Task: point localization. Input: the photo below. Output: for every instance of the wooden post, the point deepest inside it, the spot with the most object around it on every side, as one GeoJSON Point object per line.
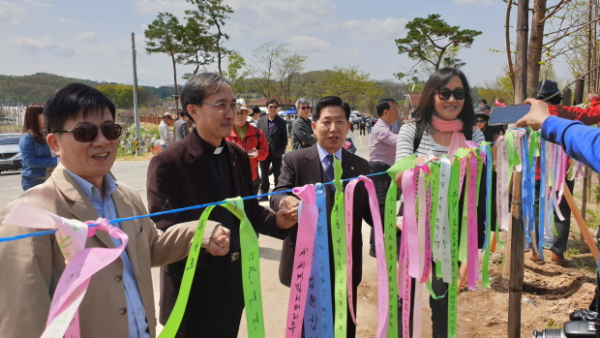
{"type": "Point", "coordinates": [585, 233]}
{"type": "Point", "coordinates": [517, 267]}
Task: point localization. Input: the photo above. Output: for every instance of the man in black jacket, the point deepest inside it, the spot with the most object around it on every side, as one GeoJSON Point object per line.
{"type": "Point", "coordinates": [302, 134]}
{"type": "Point", "coordinates": [274, 129]}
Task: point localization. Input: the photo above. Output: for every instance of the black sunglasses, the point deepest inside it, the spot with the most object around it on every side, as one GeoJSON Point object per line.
{"type": "Point", "coordinates": [273, 107]}
{"type": "Point", "coordinates": [88, 133]}
{"type": "Point", "coordinates": [480, 121]}
{"type": "Point", "coordinates": [305, 108]}
{"type": "Point", "coordinates": [444, 94]}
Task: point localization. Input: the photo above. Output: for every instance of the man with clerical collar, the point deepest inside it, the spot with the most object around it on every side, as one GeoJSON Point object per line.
{"type": "Point", "coordinates": [119, 301]}
{"type": "Point", "coordinates": [313, 165]}
{"type": "Point", "coordinates": [302, 134]}
{"type": "Point", "coordinates": [204, 168]}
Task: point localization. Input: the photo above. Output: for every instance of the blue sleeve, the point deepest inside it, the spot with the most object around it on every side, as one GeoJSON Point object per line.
{"type": "Point", "coordinates": [578, 140]}
{"type": "Point", "coordinates": [27, 147]}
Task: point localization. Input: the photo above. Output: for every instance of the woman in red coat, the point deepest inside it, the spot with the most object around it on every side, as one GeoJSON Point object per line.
{"type": "Point", "coordinates": [251, 139]}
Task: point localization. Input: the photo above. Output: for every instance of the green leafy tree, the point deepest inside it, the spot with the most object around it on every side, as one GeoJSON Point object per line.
{"type": "Point", "coordinates": [197, 42]}
{"type": "Point", "coordinates": [165, 35]}
{"type": "Point", "coordinates": [351, 84]}
{"type": "Point", "coordinates": [215, 13]}
{"type": "Point", "coordinates": [234, 70]}
{"type": "Point", "coordinates": [433, 41]}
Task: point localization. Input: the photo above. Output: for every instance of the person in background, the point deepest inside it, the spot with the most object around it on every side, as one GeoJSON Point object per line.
{"type": "Point", "coordinates": [445, 107]}
{"type": "Point", "coordinates": [369, 124]}
{"type": "Point", "coordinates": [37, 157]}
{"type": "Point", "coordinates": [482, 118]}
{"type": "Point", "coordinates": [500, 102]}
{"type": "Point", "coordinates": [274, 128]}
{"type": "Point", "coordinates": [180, 127]}
{"type": "Point", "coordinates": [313, 165]}
{"type": "Point", "coordinates": [382, 152]}
{"type": "Point", "coordinates": [251, 139]}
{"type": "Point", "coordinates": [255, 114]}
{"type": "Point", "coordinates": [362, 126]}
{"type": "Point", "coordinates": [166, 137]}
{"type": "Point", "coordinates": [302, 133]}
{"type": "Point", "coordinates": [482, 102]}
{"type": "Point", "coordinates": [548, 91]}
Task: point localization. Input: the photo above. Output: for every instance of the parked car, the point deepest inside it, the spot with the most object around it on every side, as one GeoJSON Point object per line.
{"type": "Point", "coordinates": [10, 154]}
{"type": "Point", "coordinates": [355, 117]}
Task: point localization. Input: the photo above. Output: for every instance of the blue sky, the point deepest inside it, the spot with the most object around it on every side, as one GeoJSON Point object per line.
{"type": "Point", "coordinates": [92, 39]}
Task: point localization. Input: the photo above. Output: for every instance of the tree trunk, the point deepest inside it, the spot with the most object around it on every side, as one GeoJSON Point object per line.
{"type": "Point", "coordinates": [521, 59]}
{"type": "Point", "coordinates": [536, 42]}
{"type": "Point", "coordinates": [511, 67]}
{"type": "Point", "coordinates": [175, 81]}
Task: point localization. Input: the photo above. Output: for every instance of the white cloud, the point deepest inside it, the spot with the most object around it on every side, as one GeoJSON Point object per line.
{"type": "Point", "coordinates": [64, 21]}
{"type": "Point", "coordinates": [474, 2]}
{"type": "Point", "coordinates": [373, 29]}
{"type": "Point", "coordinates": [84, 36]}
{"type": "Point", "coordinates": [273, 18]}
{"type": "Point", "coordinates": [45, 44]}
{"type": "Point", "coordinates": [176, 8]}
{"type": "Point", "coordinates": [12, 12]}
{"type": "Point", "coordinates": [308, 43]}
{"type": "Point", "coordinates": [38, 4]}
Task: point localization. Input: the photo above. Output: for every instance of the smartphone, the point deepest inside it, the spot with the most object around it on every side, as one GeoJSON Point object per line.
{"type": "Point", "coordinates": [508, 114]}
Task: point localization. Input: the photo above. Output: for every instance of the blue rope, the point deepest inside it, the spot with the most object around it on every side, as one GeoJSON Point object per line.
{"type": "Point", "coordinates": [194, 207]}
{"type": "Point", "coordinates": [173, 211]}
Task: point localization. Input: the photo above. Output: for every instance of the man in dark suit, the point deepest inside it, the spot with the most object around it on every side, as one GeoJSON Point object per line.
{"type": "Point", "coordinates": [311, 165]}
{"type": "Point", "coordinates": [204, 168]}
{"type": "Point", "coordinates": [274, 128]}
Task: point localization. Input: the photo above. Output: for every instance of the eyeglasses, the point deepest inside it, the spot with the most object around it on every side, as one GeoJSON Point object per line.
{"type": "Point", "coordinates": [444, 94]}
{"type": "Point", "coordinates": [223, 107]}
{"type": "Point", "coordinates": [88, 133]}
{"type": "Point", "coordinates": [305, 108]}
{"type": "Point", "coordinates": [480, 121]}
{"type": "Point", "coordinates": [272, 107]}
{"type": "Point", "coordinates": [242, 112]}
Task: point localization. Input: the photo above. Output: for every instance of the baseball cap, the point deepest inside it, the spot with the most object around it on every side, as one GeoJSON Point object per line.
{"type": "Point", "coordinates": [485, 107]}
{"type": "Point", "coordinates": [242, 104]}
{"type": "Point", "coordinates": [167, 115]}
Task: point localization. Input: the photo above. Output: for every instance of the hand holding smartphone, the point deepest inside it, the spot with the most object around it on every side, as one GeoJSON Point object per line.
{"type": "Point", "coordinates": [508, 114]}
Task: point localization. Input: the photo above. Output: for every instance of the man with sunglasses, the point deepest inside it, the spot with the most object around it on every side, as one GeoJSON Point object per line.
{"type": "Point", "coordinates": [120, 299]}
{"type": "Point", "coordinates": [274, 128]}
{"type": "Point", "coordinates": [205, 168]}
{"type": "Point", "coordinates": [302, 135]}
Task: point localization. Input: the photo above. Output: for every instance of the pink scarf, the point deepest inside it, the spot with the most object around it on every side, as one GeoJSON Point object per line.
{"type": "Point", "coordinates": [444, 126]}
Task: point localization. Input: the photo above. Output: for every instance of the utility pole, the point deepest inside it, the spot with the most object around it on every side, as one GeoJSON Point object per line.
{"type": "Point", "coordinates": [135, 99]}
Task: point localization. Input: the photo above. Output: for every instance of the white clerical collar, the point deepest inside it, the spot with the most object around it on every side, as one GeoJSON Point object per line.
{"type": "Point", "coordinates": [218, 150]}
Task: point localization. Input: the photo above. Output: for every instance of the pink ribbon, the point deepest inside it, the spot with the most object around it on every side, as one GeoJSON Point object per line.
{"type": "Point", "coordinates": [307, 227]}
{"type": "Point", "coordinates": [382, 281]}
{"type": "Point", "coordinates": [82, 264]}
{"type": "Point", "coordinates": [472, 260]}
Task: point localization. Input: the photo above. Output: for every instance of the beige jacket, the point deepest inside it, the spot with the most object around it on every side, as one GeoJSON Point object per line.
{"type": "Point", "coordinates": [30, 268]}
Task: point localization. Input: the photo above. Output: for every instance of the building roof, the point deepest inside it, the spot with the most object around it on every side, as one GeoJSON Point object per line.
{"type": "Point", "coordinates": [263, 102]}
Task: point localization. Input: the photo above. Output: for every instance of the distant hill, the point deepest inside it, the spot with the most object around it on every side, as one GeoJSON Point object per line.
{"type": "Point", "coordinates": [40, 86]}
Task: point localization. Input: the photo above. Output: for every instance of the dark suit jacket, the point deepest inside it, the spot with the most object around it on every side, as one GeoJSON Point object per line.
{"type": "Point", "coordinates": [278, 138]}
{"type": "Point", "coordinates": [302, 167]}
{"type": "Point", "coordinates": [181, 176]}
{"type": "Point", "coordinates": [302, 133]}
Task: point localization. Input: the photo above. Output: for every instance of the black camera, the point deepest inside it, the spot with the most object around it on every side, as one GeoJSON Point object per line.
{"type": "Point", "coordinates": [583, 324]}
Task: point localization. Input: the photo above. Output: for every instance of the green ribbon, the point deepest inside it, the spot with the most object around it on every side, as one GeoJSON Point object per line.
{"type": "Point", "coordinates": [250, 256]}
{"type": "Point", "coordinates": [453, 214]}
{"type": "Point", "coordinates": [172, 326]}
{"type": "Point", "coordinates": [390, 234]}
{"type": "Point", "coordinates": [338, 237]}
{"type": "Point", "coordinates": [250, 272]}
